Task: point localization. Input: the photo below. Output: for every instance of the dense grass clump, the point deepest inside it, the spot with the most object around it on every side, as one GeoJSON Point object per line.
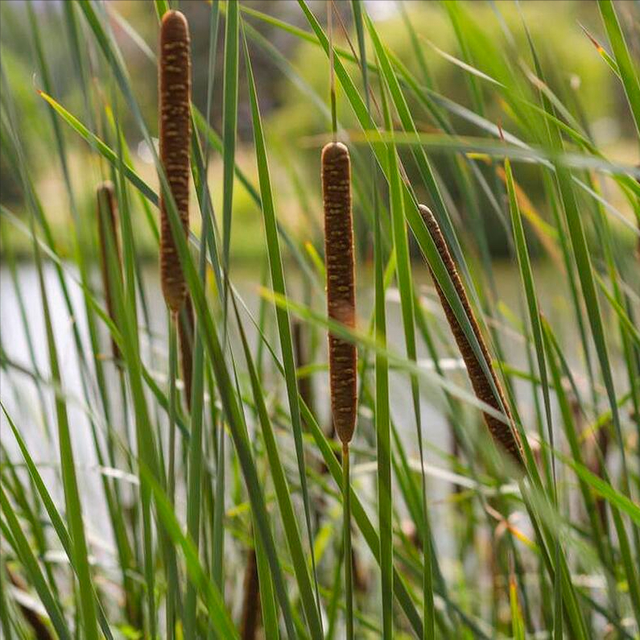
{"type": "Point", "coordinates": [179, 455]}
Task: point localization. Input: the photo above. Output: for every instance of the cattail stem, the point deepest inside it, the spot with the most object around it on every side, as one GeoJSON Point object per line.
{"type": "Point", "coordinates": [332, 73]}
{"type": "Point", "coordinates": [175, 136]}
{"type": "Point", "coordinates": [503, 434]}
{"type": "Point", "coordinates": [109, 240]}
{"type": "Point", "coordinates": [173, 404]}
{"type": "Point", "coordinates": [171, 473]}
{"type": "Point", "coordinates": [348, 555]}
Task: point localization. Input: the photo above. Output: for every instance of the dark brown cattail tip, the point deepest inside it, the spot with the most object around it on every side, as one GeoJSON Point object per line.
{"type": "Point", "coordinates": [175, 135]}
{"type": "Point", "coordinates": [429, 219]}
{"type": "Point", "coordinates": [109, 240]}
{"type": "Point", "coordinates": [341, 304]}
{"type": "Point", "coordinates": [503, 434]}
{"type": "Point", "coordinates": [176, 21]}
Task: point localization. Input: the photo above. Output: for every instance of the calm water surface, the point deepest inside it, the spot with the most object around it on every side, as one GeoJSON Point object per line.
{"type": "Point", "coordinates": [19, 393]}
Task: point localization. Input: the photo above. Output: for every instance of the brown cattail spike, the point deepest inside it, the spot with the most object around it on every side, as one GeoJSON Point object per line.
{"type": "Point", "coordinates": [504, 434]}
{"type": "Point", "coordinates": [109, 240]}
{"type": "Point", "coordinates": [338, 246]}
{"type": "Point", "coordinates": [175, 135]}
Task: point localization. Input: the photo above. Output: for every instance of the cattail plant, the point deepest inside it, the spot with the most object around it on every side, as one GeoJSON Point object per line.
{"type": "Point", "coordinates": [341, 306]}
{"type": "Point", "coordinates": [175, 136]}
{"type": "Point", "coordinates": [505, 435]}
{"type": "Point", "coordinates": [109, 240]}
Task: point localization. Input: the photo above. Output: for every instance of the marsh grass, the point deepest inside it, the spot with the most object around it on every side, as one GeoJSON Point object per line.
{"type": "Point", "coordinates": [209, 502]}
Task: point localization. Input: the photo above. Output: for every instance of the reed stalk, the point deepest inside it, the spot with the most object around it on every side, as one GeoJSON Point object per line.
{"type": "Point", "coordinates": [504, 435]}
{"type": "Point", "coordinates": [341, 306]}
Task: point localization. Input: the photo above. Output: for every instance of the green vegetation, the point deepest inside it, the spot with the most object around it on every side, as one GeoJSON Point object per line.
{"type": "Point", "coordinates": [174, 473]}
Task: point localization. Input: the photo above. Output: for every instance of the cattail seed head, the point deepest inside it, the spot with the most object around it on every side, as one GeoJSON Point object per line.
{"type": "Point", "coordinates": [503, 434]}
{"type": "Point", "coordinates": [175, 136]}
{"type": "Point", "coordinates": [108, 237]}
{"type": "Point", "coordinates": [341, 306]}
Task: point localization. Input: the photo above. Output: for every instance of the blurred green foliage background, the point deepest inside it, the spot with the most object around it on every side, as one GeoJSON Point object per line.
{"type": "Point", "coordinates": [295, 125]}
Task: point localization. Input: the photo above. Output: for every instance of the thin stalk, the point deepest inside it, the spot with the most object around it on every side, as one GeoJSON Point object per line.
{"type": "Point", "coordinates": [332, 76]}
{"type": "Point", "coordinates": [173, 406]}
{"type": "Point", "coordinates": [348, 565]}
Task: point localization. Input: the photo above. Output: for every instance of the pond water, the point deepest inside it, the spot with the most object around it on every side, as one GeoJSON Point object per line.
{"type": "Point", "coordinates": [20, 396]}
